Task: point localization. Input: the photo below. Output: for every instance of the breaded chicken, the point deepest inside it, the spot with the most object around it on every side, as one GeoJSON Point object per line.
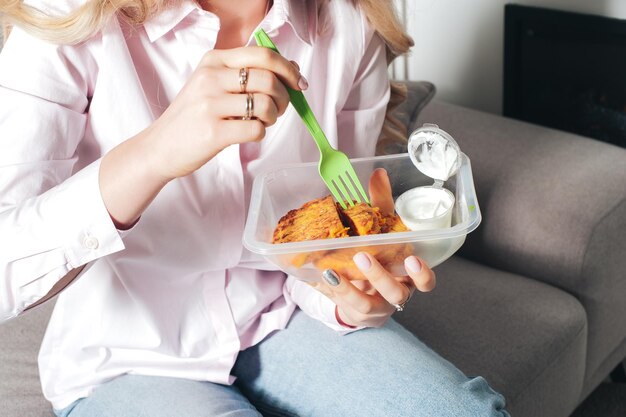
{"type": "Point", "coordinates": [324, 219]}
{"type": "Point", "coordinates": [392, 223]}
{"type": "Point", "coordinates": [317, 219]}
{"type": "Point", "coordinates": [361, 219]}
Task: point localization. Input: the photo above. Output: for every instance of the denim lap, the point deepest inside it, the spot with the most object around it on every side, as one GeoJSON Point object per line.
{"type": "Point", "coordinates": [152, 396]}
{"type": "Point", "coordinates": [309, 370]}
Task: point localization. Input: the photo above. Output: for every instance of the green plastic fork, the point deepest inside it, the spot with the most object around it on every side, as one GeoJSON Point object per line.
{"type": "Point", "coordinates": [334, 167]}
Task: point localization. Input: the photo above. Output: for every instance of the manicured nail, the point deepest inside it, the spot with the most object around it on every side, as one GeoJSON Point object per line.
{"type": "Point", "coordinates": [413, 264]}
{"type": "Point", "coordinates": [295, 64]}
{"type": "Point", "coordinates": [362, 261]}
{"type": "Point", "coordinates": [331, 277]}
{"type": "Point", "coordinates": [303, 83]}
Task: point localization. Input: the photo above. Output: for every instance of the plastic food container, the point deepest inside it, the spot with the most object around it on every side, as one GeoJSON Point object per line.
{"type": "Point", "coordinates": [288, 187]}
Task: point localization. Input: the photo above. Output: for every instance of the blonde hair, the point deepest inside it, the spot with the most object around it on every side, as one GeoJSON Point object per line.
{"type": "Point", "coordinates": [90, 17]}
{"type": "Point", "coordinates": [81, 22]}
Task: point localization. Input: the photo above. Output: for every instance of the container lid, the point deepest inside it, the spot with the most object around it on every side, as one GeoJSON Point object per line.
{"type": "Point", "coordinates": [434, 152]}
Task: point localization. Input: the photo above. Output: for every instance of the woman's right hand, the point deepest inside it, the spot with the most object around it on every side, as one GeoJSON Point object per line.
{"type": "Point", "coordinates": [206, 115]}
{"type": "Point", "coordinates": [202, 120]}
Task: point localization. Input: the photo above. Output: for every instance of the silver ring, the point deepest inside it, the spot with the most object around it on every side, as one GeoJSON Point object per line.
{"type": "Point", "coordinates": [402, 305]}
{"type": "Point", "coordinates": [249, 107]}
{"type": "Point", "coordinates": [243, 79]}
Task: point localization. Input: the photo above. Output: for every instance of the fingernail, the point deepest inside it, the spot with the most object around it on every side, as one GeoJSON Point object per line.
{"type": "Point", "coordinates": [362, 261]}
{"type": "Point", "coordinates": [413, 264]}
{"type": "Point", "coordinates": [331, 277]}
{"type": "Point", "coordinates": [295, 64]}
{"type": "Point", "coordinates": [303, 83]}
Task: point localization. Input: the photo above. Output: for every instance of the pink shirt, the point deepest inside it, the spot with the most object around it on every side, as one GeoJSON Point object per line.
{"type": "Point", "coordinates": [177, 295]}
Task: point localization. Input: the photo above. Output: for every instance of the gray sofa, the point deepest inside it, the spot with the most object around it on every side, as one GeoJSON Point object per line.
{"type": "Point", "coordinates": [535, 300]}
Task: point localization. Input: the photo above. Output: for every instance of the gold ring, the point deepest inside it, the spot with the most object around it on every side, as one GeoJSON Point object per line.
{"type": "Point", "coordinates": [249, 107]}
{"type": "Point", "coordinates": [243, 79]}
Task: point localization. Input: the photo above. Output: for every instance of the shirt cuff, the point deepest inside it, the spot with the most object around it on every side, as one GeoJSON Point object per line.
{"type": "Point", "coordinates": [316, 305]}
{"type": "Point", "coordinates": [330, 318]}
{"type": "Point", "coordinates": [81, 219]}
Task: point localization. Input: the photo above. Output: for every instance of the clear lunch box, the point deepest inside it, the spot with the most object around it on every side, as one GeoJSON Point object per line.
{"type": "Point", "coordinates": [288, 187]}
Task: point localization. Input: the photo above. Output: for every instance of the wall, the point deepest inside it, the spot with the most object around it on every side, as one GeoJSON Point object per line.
{"type": "Point", "coordinates": [459, 44]}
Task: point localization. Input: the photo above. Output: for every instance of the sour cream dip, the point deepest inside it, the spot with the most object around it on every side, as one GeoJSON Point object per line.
{"type": "Point", "coordinates": [425, 208]}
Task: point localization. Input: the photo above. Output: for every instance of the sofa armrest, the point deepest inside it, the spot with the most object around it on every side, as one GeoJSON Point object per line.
{"type": "Point", "coordinates": [553, 203]}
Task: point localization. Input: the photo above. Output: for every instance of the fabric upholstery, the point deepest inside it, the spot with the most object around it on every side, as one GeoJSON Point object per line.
{"type": "Point", "coordinates": [20, 389]}
{"type": "Point", "coordinates": [554, 209]}
{"type": "Point", "coordinates": [419, 95]}
{"type": "Point", "coordinates": [524, 336]}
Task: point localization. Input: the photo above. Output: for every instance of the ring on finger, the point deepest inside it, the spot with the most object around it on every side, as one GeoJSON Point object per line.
{"type": "Point", "coordinates": [249, 114]}
{"type": "Point", "coordinates": [402, 305]}
{"type": "Point", "coordinates": [243, 79]}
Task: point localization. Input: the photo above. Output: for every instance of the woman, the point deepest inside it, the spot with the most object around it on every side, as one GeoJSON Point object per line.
{"type": "Point", "coordinates": [133, 133]}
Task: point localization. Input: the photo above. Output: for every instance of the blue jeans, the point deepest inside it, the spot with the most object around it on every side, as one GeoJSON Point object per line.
{"type": "Point", "coordinates": [309, 370]}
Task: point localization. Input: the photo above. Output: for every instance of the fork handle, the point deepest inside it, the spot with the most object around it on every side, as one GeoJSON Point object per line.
{"type": "Point", "coordinates": [298, 100]}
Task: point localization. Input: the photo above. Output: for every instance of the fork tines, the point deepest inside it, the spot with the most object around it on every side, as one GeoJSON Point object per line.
{"type": "Point", "coordinates": [344, 188]}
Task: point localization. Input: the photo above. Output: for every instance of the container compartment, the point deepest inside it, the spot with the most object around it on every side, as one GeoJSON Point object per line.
{"type": "Point", "coordinates": [288, 187]}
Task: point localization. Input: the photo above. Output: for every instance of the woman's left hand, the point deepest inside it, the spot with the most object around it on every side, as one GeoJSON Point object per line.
{"type": "Point", "coordinates": [371, 302]}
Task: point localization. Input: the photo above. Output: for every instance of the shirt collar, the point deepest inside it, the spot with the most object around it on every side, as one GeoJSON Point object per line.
{"type": "Point", "coordinates": [168, 19]}
{"type": "Point", "coordinates": [293, 12]}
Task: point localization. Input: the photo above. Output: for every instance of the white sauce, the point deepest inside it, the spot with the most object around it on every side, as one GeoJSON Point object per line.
{"type": "Point", "coordinates": [434, 155]}
{"type": "Point", "coordinates": [425, 208]}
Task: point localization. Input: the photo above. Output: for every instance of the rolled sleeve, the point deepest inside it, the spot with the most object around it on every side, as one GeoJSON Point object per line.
{"type": "Point", "coordinates": [49, 235]}
{"type": "Point", "coordinates": [52, 219]}
{"type": "Point", "coordinates": [78, 211]}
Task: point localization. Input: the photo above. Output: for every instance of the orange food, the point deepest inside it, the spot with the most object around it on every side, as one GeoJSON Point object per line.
{"type": "Point", "coordinates": [317, 219]}
{"type": "Point", "coordinates": [392, 223]}
{"type": "Point", "coordinates": [324, 219]}
{"type": "Point", "coordinates": [361, 219]}
{"type": "Point", "coordinates": [340, 260]}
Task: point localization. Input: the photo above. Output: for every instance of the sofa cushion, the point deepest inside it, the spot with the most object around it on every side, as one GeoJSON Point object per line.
{"type": "Point", "coordinates": [419, 94]}
{"type": "Point", "coordinates": [554, 209]}
{"type": "Point", "coordinates": [20, 389]}
{"type": "Point", "coordinates": [523, 336]}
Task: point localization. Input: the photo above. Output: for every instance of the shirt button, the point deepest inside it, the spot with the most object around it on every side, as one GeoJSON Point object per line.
{"type": "Point", "coordinates": [91, 242]}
